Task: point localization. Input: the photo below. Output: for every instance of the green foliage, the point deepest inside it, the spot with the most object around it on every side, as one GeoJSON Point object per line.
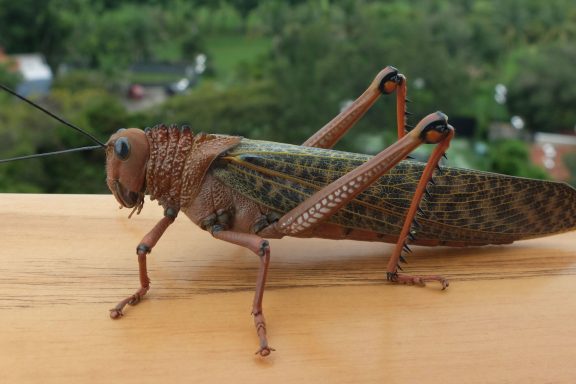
{"type": "Point", "coordinates": [512, 157]}
{"type": "Point", "coordinates": [77, 81]}
{"type": "Point", "coordinates": [26, 26]}
{"type": "Point", "coordinates": [279, 70]}
{"type": "Point", "coordinates": [107, 35]}
{"type": "Point", "coordinates": [230, 52]}
{"type": "Point", "coordinates": [324, 56]}
{"type": "Point", "coordinates": [570, 161]}
{"type": "Point", "coordinates": [24, 131]}
{"type": "Point", "coordinates": [540, 90]}
{"type": "Point", "coordinates": [8, 77]}
{"type": "Point", "coordinates": [245, 110]}
{"type": "Point", "coordinates": [116, 39]}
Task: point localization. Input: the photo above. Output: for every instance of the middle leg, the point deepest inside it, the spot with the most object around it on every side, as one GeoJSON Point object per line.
{"type": "Point", "coordinates": [261, 248]}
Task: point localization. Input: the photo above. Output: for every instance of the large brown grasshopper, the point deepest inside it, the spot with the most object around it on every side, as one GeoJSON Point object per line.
{"type": "Point", "coordinates": [245, 191]}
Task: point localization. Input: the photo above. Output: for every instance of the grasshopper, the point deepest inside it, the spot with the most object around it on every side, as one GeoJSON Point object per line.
{"type": "Point", "coordinates": [246, 191]}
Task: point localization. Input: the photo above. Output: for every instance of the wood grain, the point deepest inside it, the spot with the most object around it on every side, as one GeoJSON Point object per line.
{"type": "Point", "coordinates": [508, 316]}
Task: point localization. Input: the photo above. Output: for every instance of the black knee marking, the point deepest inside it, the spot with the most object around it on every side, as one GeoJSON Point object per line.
{"type": "Point", "coordinates": [213, 229]}
{"type": "Point", "coordinates": [143, 249]}
{"type": "Point", "coordinates": [171, 213]}
{"type": "Point", "coordinates": [218, 221]}
{"type": "Point", "coordinates": [264, 245]}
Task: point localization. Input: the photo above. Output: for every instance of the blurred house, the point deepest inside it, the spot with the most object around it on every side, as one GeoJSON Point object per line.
{"type": "Point", "coordinates": [548, 151]}
{"type": "Point", "coordinates": [36, 75]}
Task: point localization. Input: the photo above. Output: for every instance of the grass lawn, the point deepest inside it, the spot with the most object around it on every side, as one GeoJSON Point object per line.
{"type": "Point", "coordinates": [227, 52]}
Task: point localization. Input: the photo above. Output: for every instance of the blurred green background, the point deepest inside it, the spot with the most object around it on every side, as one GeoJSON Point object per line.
{"type": "Point", "coordinates": [279, 70]}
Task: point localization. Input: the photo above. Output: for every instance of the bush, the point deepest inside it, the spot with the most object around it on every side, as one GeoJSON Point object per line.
{"type": "Point", "coordinates": [512, 157]}
{"type": "Point", "coordinates": [570, 161]}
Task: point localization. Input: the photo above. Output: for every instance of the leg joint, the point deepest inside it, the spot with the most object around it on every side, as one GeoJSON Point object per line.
{"type": "Point", "coordinates": [390, 81]}
{"type": "Point", "coordinates": [143, 249]}
{"type": "Point", "coordinates": [215, 228]}
{"type": "Point", "coordinates": [264, 248]}
{"type": "Point", "coordinates": [171, 213]}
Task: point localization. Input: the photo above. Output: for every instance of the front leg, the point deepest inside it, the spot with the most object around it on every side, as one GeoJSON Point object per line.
{"type": "Point", "coordinates": [261, 248]}
{"type": "Point", "coordinates": [143, 249]}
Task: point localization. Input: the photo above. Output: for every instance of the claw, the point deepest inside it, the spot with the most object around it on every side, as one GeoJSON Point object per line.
{"type": "Point", "coordinates": [116, 313]}
{"type": "Point", "coordinates": [264, 351]}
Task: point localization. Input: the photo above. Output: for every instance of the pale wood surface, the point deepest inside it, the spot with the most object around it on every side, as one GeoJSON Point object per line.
{"type": "Point", "coordinates": [509, 315]}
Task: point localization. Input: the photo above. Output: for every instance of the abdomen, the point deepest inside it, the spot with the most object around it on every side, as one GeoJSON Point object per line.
{"type": "Point", "coordinates": [466, 207]}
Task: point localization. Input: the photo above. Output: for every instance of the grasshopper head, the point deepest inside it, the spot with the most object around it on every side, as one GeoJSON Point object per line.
{"type": "Point", "coordinates": [127, 152]}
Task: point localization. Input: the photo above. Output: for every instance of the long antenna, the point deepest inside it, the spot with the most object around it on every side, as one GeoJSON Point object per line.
{"type": "Point", "coordinates": [101, 144]}
{"type": "Point", "coordinates": [50, 153]}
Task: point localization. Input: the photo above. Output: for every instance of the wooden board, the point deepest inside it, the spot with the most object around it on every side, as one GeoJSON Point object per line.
{"type": "Point", "coordinates": [508, 316]}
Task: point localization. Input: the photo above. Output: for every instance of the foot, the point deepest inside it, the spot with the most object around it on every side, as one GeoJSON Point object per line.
{"type": "Point", "coordinates": [264, 351]}
{"type": "Point", "coordinates": [395, 277]}
{"type": "Point", "coordinates": [260, 324]}
{"type": "Point", "coordinates": [117, 312]}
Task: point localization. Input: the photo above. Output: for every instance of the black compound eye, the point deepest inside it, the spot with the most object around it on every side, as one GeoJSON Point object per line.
{"type": "Point", "coordinates": [122, 148]}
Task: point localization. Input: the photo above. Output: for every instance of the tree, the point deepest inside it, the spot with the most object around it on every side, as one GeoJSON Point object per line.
{"type": "Point", "coordinates": [326, 56]}
{"type": "Point", "coordinates": [246, 109]}
{"type": "Point", "coordinates": [540, 91]}
{"type": "Point", "coordinates": [26, 27]}
{"type": "Point", "coordinates": [7, 76]}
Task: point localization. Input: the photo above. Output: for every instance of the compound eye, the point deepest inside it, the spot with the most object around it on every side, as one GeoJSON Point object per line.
{"type": "Point", "coordinates": [122, 148]}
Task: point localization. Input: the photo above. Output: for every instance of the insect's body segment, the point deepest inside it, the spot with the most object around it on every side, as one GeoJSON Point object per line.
{"type": "Point", "coordinates": [179, 176]}
{"type": "Point", "coordinates": [179, 162]}
{"type": "Point", "coordinates": [464, 207]}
